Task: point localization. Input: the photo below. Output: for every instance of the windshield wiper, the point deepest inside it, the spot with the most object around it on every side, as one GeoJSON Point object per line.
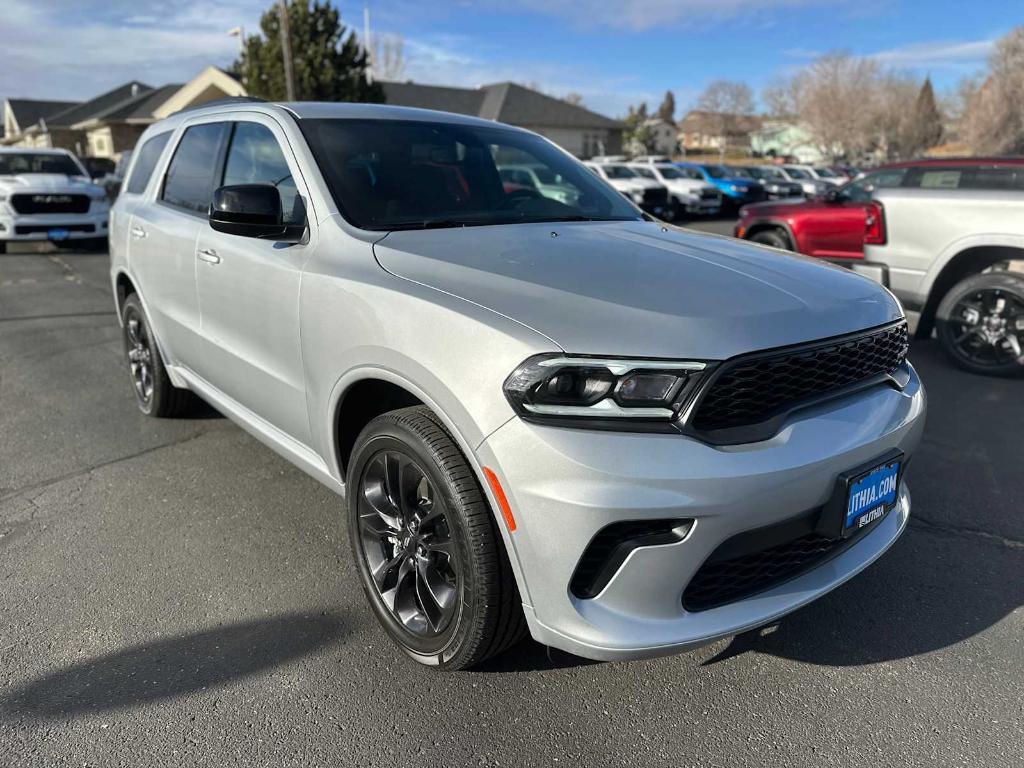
{"type": "Point", "coordinates": [430, 224]}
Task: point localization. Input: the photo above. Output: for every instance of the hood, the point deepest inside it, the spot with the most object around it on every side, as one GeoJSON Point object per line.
{"type": "Point", "coordinates": [49, 182]}
{"type": "Point", "coordinates": [741, 182]}
{"type": "Point", "coordinates": [630, 288]}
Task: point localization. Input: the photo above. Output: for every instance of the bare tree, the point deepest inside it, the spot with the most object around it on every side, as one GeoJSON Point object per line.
{"type": "Point", "coordinates": [782, 97]}
{"type": "Point", "coordinates": [387, 57]}
{"type": "Point", "coordinates": [725, 104]}
{"type": "Point", "coordinates": [892, 116]}
{"type": "Point", "coordinates": [576, 99]}
{"type": "Point", "coordinates": [994, 117]}
{"type": "Point", "coordinates": [839, 103]}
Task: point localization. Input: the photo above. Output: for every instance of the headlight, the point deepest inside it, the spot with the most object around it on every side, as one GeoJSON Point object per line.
{"type": "Point", "coordinates": [604, 393]}
{"type": "Point", "coordinates": [637, 196]}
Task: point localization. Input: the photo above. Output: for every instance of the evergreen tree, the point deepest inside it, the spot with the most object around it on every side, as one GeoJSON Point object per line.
{"type": "Point", "coordinates": [926, 119]}
{"type": "Point", "coordinates": [328, 61]}
{"type": "Point", "coordinates": [667, 110]}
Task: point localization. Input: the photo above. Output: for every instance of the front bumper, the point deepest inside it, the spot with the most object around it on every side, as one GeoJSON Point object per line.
{"type": "Point", "coordinates": [565, 485]}
{"type": "Point", "coordinates": [41, 226]}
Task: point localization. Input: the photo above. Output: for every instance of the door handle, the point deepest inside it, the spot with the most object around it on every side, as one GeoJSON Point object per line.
{"type": "Point", "coordinates": [138, 233]}
{"type": "Point", "coordinates": [208, 255]}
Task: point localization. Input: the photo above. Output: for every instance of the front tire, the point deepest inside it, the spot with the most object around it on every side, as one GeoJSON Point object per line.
{"type": "Point", "coordinates": [154, 393]}
{"type": "Point", "coordinates": [772, 237]}
{"type": "Point", "coordinates": [429, 554]}
{"type": "Point", "coordinates": [980, 324]}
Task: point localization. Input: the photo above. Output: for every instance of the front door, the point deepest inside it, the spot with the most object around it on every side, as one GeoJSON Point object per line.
{"type": "Point", "coordinates": [249, 289]}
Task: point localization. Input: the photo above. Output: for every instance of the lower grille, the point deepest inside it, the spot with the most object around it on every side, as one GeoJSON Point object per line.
{"type": "Point", "coordinates": [655, 195]}
{"type": "Point", "coordinates": [50, 203]}
{"type": "Point", "coordinates": [753, 389]}
{"type": "Point", "coordinates": [709, 194]}
{"type": "Point", "coordinates": [756, 561]}
{"type": "Point", "coordinates": [31, 229]}
{"type": "Point", "coordinates": [611, 546]}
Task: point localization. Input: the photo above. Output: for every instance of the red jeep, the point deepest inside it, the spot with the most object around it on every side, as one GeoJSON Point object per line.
{"type": "Point", "coordinates": [832, 226]}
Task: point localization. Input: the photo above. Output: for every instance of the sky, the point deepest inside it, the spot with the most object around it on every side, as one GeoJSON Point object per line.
{"type": "Point", "coordinates": [612, 52]}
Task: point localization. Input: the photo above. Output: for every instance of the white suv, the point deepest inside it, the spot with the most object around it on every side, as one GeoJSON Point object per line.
{"type": "Point", "coordinates": [651, 195]}
{"type": "Point", "coordinates": [689, 192]}
{"type": "Point", "coordinates": [46, 194]}
{"type": "Point", "coordinates": [628, 438]}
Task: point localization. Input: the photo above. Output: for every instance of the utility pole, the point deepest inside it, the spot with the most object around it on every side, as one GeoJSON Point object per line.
{"type": "Point", "coordinates": [366, 44]}
{"type": "Point", "coordinates": [286, 50]}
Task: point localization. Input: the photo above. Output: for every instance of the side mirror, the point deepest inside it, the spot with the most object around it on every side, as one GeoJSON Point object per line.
{"type": "Point", "coordinates": [252, 210]}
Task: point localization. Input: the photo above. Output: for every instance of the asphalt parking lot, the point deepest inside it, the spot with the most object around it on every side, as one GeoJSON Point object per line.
{"type": "Point", "coordinates": [173, 594]}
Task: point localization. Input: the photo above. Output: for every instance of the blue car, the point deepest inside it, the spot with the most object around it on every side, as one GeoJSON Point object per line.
{"type": "Point", "coordinates": [736, 191]}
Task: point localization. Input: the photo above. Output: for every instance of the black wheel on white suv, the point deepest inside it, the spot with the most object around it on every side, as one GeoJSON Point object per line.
{"type": "Point", "coordinates": [429, 554]}
{"type": "Point", "coordinates": [154, 393]}
{"type": "Point", "coordinates": [980, 324]}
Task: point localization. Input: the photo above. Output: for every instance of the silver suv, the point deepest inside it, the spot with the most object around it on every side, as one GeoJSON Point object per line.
{"type": "Point", "coordinates": [546, 415]}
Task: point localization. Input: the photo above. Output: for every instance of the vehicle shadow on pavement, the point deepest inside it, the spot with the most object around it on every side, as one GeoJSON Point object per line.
{"type": "Point", "coordinates": [168, 668]}
{"type": "Point", "coordinates": [956, 572]}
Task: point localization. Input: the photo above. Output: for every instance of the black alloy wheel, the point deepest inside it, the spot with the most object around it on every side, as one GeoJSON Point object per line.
{"type": "Point", "coordinates": [407, 542]}
{"type": "Point", "coordinates": [154, 393]}
{"type": "Point", "coordinates": [426, 544]}
{"type": "Point", "coordinates": [981, 324]}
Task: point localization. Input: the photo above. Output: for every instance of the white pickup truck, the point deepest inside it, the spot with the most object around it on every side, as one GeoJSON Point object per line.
{"type": "Point", "coordinates": [957, 257]}
{"type": "Point", "coordinates": [46, 194]}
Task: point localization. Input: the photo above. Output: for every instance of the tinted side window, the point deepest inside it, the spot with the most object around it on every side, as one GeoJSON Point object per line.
{"type": "Point", "coordinates": [1004, 177]}
{"type": "Point", "coordinates": [859, 191]}
{"type": "Point", "coordinates": [255, 157]}
{"type": "Point", "coordinates": [189, 182]}
{"type": "Point", "coordinates": [148, 157]}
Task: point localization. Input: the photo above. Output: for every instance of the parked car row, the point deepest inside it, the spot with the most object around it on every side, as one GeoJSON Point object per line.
{"type": "Point", "coordinates": [944, 235]}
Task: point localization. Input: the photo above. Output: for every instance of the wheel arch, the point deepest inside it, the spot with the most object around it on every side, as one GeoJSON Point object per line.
{"type": "Point", "coordinates": [124, 287]}
{"type": "Point", "coordinates": [966, 262]}
{"type": "Point", "coordinates": [765, 225]}
{"type": "Point", "coordinates": [367, 380]}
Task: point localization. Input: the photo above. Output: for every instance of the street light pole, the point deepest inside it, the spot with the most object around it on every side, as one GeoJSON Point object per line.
{"type": "Point", "coordinates": [286, 51]}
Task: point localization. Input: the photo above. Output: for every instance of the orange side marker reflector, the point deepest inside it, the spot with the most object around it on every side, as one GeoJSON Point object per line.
{"type": "Point", "coordinates": [499, 494]}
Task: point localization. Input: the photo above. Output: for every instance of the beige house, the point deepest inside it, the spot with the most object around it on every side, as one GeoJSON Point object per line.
{"type": "Point", "coordinates": [700, 130]}
{"type": "Point", "coordinates": [112, 122]}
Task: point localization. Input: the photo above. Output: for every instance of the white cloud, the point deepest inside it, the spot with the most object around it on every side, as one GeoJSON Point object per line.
{"type": "Point", "coordinates": [939, 54]}
{"type": "Point", "coordinates": [62, 51]}
{"type": "Point", "coordinates": [640, 15]}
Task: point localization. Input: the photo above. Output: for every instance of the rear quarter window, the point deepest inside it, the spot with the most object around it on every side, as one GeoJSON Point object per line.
{"type": "Point", "coordinates": [149, 154]}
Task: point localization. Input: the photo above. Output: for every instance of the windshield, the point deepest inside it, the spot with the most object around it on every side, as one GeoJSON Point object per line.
{"type": "Point", "coordinates": [668, 172]}
{"type": "Point", "coordinates": [387, 175]}
{"type": "Point", "coordinates": [647, 173]}
{"type": "Point", "coordinates": [618, 172]}
{"type": "Point", "coordinates": [797, 173]}
{"type": "Point", "coordinates": [825, 173]}
{"type": "Point", "coordinates": [770, 173]}
{"type": "Point", "coordinates": [717, 171]}
{"type": "Point", "coordinates": [12, 164]}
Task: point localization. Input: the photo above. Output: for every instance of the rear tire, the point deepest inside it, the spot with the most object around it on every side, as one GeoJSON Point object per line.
{"type": "Point", "coordinates": [980, 324]}
{"type": "Point", "coordinates": [154, 393]}
{"type": "Point", "coordinates": [430, 557]}
{"type": "Point", "coordinates": [772, 237]}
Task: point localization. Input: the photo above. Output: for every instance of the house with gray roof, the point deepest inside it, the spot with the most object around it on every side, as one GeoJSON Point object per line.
{"type": "Point", "coordinates": [109, 124]}
{"type": "Point", "coordinates": [574, 128]}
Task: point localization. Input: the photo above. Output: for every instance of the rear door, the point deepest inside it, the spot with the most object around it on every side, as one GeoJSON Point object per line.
{"type": "Point", "coordinates": [249, 288]}
{"type": "Point", "coordinates": [835, 229]}
{"type": "Point", "coordinates": [133, 192]}
{"type": "Point", "coordinates": [163, 238]}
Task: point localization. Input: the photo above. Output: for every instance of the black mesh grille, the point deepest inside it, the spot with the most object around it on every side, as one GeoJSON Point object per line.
{"type": "Point", "coordinates": [709, 194]}
{"type": "Point", "coordinates": [718, 582]}
{"type": "Point", "coordinates": [752, 390]}
{"type": "Point", "coordinates": [50, 203]}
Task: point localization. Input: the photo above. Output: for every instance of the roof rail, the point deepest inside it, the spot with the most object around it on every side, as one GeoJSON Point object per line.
{"type": "Point", "coordinates": [222, 102]}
